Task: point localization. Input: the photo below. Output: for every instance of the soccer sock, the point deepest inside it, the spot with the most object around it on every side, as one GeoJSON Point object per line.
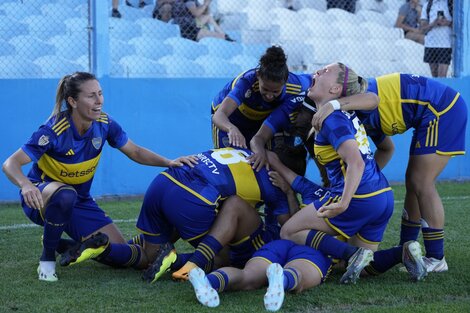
{"type": "Point", "coordinates": [219, 280]}
{"type": "Point", "coordinates": [409, 230]}
{"type": "Point", "coordinates": [181, 259]}
{"type": "Point", "coordinates": [329, 245]}
{"type": "Point", "coordinates": [121, 255]}
{"type": "Point", "coordinates": [205, 251]}
{"type": "Point", "coordinates": [58, 213]}
{"type": "Point", "coordinates": [433, 242]}
{"type": "Point", "coordinates": [291, 278]}
{"type": "Point", "coordinates": [65, 244]}
{"type": "Point", "coordinates": [385, 260]}
{"type": "Point", "coordinates": [137, 240]}
{"type": "Point", "coordinates": [242, 251]}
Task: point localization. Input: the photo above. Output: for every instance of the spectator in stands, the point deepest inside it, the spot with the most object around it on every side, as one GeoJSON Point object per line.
{"type": "Point", "coordinates": [162, 10]}
{"type": "Point", "coordinates": [348, 5]}
{"type": "Point", "coordinates": [195, 20]}
{"type": "Point", "coordinates": [115, 12]}
{"type": "Point", "coordinates": [408, 20]}
{"type": "Point", "coordinates": [438, 38]}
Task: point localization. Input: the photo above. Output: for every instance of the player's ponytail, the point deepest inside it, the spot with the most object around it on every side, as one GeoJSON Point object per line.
{"type": "Point", "coordinates": [351, 82]}
{"type": "Point", "coordinates": [273, 65]}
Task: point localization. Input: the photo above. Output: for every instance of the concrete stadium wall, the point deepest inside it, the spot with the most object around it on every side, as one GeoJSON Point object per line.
{"type": "Point", "coordinates": [169, 116]}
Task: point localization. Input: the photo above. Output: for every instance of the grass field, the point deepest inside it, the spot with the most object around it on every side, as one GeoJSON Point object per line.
{"type": "Point", "coordinates": [92, 287]}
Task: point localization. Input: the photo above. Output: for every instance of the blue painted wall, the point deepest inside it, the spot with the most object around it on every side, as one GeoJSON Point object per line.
{"type": "Point", "coordinates": [169, 116]}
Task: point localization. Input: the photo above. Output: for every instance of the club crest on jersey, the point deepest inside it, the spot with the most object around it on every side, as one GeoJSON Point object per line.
{"type": "Point", "coordinates": [96, 142]}
{"type": "Point", "coordinates": [43, 140]}
{"type": "Point", "coordinates": [248, 93]}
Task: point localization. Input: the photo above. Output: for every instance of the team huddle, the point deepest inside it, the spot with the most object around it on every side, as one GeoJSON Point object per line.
{"type": "Point", "coordinates": [245, 206]}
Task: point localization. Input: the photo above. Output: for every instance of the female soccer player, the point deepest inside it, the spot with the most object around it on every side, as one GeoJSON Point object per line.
{"type": "Point", "coordinates": [438, 115]}
{"type": "Point", "coordinates": [56, 192]}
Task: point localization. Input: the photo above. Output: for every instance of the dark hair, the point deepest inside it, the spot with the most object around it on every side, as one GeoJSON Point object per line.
{"type": "Point", "coordinates": [69, 86]}
{"type": "Point", "coordinates": [273, 65]}
{"type": "Point", "coordinates": [294, 157]}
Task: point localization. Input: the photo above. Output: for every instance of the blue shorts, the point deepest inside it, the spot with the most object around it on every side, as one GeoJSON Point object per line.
{"type": "Point", "coordinates": [182, 205]}
{"type": "Point", "coordinates": [442, 132]}
{"type": "Point", "coordinates": [285, 251]}
{"type": "Point", "coordinates": [365, 217]}
{"type": "Point", "coordinates": [87, 216]}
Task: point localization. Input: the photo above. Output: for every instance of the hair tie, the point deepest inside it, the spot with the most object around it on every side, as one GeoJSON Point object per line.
{"type": "Point", "coordinates": [345, 82]}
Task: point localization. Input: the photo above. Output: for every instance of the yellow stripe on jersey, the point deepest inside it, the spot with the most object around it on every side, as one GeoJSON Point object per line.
{"type": "Point", "coordinates": [431, 134]}
{"type": "Point", "coordinates": [368, 195]}
{"type": "Point", "coordinates": [446, 109]}
{"type": "Point", "coordinates": [72, 174]}
{"type": "Point", "coordinates": [103, 118]}
{"type": "Point", "coordinates": [293, 88]}
{"type": "Point", "coordinates": [325, 154]}
{"type": "Point", "coordinates": [253, 114]}
{"type": "Point", "coordinates": [61, 126]}
{"type": "Point", "coordinates": [236, 79]}
{"type": "Point", "coordinates": [390, 105]}
{"type": "Point", "coordinates": [245, 181]}
{"type": "Point", "coordinates": [190, 190]}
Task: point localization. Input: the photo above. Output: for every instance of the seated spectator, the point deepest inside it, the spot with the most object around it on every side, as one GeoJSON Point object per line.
{"type": "Point", "coordinates": [348, 5]}
{"type": "Point", "coordinates": [408, 20]}
{"type": "Point", "coordinates": [195, 21]}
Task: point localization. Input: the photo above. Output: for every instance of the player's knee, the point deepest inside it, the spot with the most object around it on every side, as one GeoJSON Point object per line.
{"type": "Point", "coordinates": [63, 199]}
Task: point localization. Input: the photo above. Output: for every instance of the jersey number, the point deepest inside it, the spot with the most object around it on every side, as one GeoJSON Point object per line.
{"type": "Point", "coordinates": [230, 156]}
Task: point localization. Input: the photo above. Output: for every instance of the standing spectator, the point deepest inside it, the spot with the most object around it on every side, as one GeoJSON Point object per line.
{"type": "Point", "coordinates": [438, 39]}
{"type": "Point", "coordinates": [408, 20]}
{"type": "Point", "coordinates": [348, 5]}
{"type": "Point", "coordinates": [115, 12]}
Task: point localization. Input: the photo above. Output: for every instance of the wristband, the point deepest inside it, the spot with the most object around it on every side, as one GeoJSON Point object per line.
{"type": "Point", "coordinates": [336, 105]}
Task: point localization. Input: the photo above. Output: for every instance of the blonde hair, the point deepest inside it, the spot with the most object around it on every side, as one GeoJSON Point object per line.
{"type": "Point", "coordinates": [351, 82]}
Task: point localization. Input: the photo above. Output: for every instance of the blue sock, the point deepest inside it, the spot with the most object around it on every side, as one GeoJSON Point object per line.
{"type": "Point", "coordinates": [329, 245]}
{"type": "Point", "coordinates": [433, 242]}
{"type": "Point", "coordinates": [384, 260]}
{"type": "Point", "coordinates": [242, 251]}
{"type": "Point", "coordinates": [409, 230]}
{"type": "Point", "coordinates": [137, 240]}
{"type": "Point", "coordinates": [121, 255]}
{"type": "Point", "coordinates": [206, 251]}
{"type": "Point", "coordinates": [291, 278]}
{"type": "Point", "coordinates": [57, 215]}
{"type": "Point", "coordinates": [219, 280]}
{"type": "Point", "coordinates": [181, 260]}
{"type": "Point", "coordinates": [65, 244]}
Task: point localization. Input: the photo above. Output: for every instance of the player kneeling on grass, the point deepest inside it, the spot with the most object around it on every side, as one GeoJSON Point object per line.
{"type": "Point", "coordinates": [280, 264]}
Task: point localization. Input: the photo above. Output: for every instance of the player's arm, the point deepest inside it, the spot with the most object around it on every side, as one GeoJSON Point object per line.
{"type": "Point", "coordinates": [364, 101]}
{"type": "Point", "coordinates": [144, 156]}
{"type": "Point", "coordinates": [384, 152]}
{"type": "Point", "coordinates": [257, 144]}
{"type": "Point", "coordinates": [349, 153]}
{"type": "Point", "coordinates": [222, 122]}
{"type": "Point", "coordinates": [12, 169]}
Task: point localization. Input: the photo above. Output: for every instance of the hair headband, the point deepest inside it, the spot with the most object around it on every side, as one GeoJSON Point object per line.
{"type": "Point", "coordinates": [345, 82]}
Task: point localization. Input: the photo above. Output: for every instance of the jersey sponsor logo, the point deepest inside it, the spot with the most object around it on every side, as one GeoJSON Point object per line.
{"type": "Point", "coordinates": [97, 142]}
{"type": "Point", "coordinates": [209, 163]}
{"type": "Point", "coordinates": [82, 173]}
{"type": "Point", "coordinates": [43, 140]}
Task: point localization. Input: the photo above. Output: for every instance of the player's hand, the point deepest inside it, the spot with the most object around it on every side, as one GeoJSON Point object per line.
{"type": "Point", "coordinates": [323, 112]}
{"type": "Point", "coordinates": [236, 138]}
{"type": "Point", "coordinates": [277, 180]}
{"type": "Point", "coordinates": [188, 160]}
{"type": "Point", "coordinates": [331, 210]}
{"type": "Point", "coordinates": [32, 196]}
{"type": "Point", "coordinates": [259, 160]}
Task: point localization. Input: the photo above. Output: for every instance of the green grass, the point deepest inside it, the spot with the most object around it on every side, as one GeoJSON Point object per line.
{"type": "Point", "coordinates": [92, 287]}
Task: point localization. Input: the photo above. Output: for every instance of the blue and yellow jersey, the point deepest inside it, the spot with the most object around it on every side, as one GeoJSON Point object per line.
{"type": "Point", "coordinates": [60, 153]}
{"type": "Point", "coordinates": [403, 100]}
{"type": "Point", "coordinates": [253, 110]}
{"type": "Point", "coordinates": [337, 128]}
{"type": "Point", "coordinates": [227, 171]}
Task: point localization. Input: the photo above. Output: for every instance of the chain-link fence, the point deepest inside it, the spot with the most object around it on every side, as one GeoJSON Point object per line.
{"type": "Point", "coordinates": [221, 38]}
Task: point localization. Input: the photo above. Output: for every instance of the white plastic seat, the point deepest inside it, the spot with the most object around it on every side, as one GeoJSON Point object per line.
{"type": "Point", "coordinates": [283, 30]}
{"type": "Point", "coordinates": [258, 37]}
{"type": "Point", "coordinates": [409, 49]}
{"type": "Point", "coordinates": [58, 11]}
{"type": "Point", "coordinates": [326, 29]}
{"type": "Point", "coordinates": [218, 67]}
{"type": "Point", "coordinates": [157, 29]}
{"type": "Point", "coordinates": [10, 28]}
{"type": "Point", "coordinates": [77, 26]}
{"type": "Point", "coordinates": [230, 6]}
{"type": "Point", "coordinates": [44, 27]}
{"type": "Point", "coordinates": [343, 15]}
{"type": "Point", "coordinates": [372, 5]}
{"type": "Point", "coordinates": [383, 50]}
{"type": "Point", "coordinates": [319, 5]}
{"type": "Point", "coordinates": [69, 47]}
{"type": "Point", "coordinates": [119, 49]}
{"type": "Point", "coordinates": [381, 32]}
{"type": "Point", "coordinates": [221, 48]}
{"type": "Point", "coordinates": [30, 47]}
{"type": "Point", "coordinates": [18, 10]}
{"type": "Point", "coordinates": [312, 16]}
{"type": "Point", "coordinates": [53, 66]}
{"type": "Point", "coordinates": [186, 48]}
{"type": "Point", "coordinates": [12, 66]}
{"type": "Point", "coordinates": [7, 48]}
{"type": "Point", "coordinates": [150, 48]}
{"type": "Point", "coordinates": [323, 51]}
{"type": "Point", "coordinates": [123, 29]}
{"type": "Point", "coordinates": [374, 17]}
{"type": "Point", "coordinates": [181, 67]}
{"type": "Point", "coordinates": [138, 66]}
{"type": "Point", "coordinates": [257, 19]}
{"type": "Point", "coordinates": [256, 50]}
{"type": "Point", "coordinates": [245, 62]}
{"type": "Point", "coordinates": [351, 30]}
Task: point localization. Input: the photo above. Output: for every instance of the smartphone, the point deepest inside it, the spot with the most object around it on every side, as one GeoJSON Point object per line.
{"type": "Point", "coordinates": [440, 14]}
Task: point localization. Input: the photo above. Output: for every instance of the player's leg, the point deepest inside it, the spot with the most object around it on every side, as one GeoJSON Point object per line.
{"type": "Point", "coordinates": [236, 220]}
